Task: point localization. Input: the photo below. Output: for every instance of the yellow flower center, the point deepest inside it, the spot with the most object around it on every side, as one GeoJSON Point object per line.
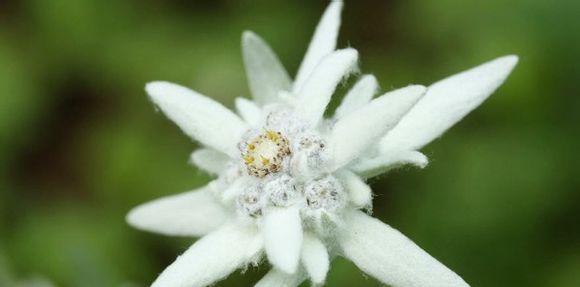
{"type": "Point", "coordinates": [265, 153]}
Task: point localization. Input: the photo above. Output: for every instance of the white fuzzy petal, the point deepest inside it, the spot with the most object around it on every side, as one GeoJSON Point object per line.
{"type": "Point", "coordinates": [235, 189]}
{"type": "Point", "coordinates": [198, 116]}
{"type": "Point", "coordinates": [213, 257]}
{"type": "Point", "coordinates": [323, 43]}
{"type": "Point", "coordinates": [283, 238]}
{"type": "Point", "coordinates": [447, 102]}
{"type": "Point", "coordinates": [192, 213]}
{"type": "Point", "coordinates": [315, 258]}
{"type": "Point", "coordinates": [360, 95]}
{"type": "Point", "coordinates": [314, 96]}
{"type": "Point", "coordinates": [359, 193]}
{"type": "Point", "coordinates": [209, 160]}
{"type": "Point", "coordinates": [368, 168]}
{"type": "Point", "coordinates": [276, 278]}
{"type": "Point", "coordinates": [386, 254]}
{"type": "Point", "coordinates": [266, 75]}
{"type": "Point", "coordinates": [249, 111]}
{"type": "Point", "coordinates": [354, 133]}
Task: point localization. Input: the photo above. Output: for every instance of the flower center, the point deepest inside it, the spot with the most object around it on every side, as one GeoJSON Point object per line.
{"type": "Point", "coordinates": [265, 153]}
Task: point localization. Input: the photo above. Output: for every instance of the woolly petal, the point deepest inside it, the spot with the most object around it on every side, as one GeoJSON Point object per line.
{"type": "Point", "coordinates": [193, 213]}
{"type": "Point", "coordinates": [370, 122]}
{"type": "Point", "coordinates": [199, 117]}
{"type": "Point", "coordinates": [360, 95]}
{"type": "Point", "coordinates": [249, 111]}
{"type": "Point", "coordinates": [235, 188]}
{"type": "Point", "coordinates": [386, 254]}
{"type": "Point", "coordinates": [209, 160]}
{"type": "Point", "coordinates": [315, 258]}
{"type": "Point", "coordinates": [447, 102]}
{"type": "Point", "coordinates": [283, 238]}
{"type": "Point", "coordinates": [266, 75]}
{"type": "Point", "coordinates": [359, 193]}
{"type": "Point", "coordinates": [276, 278]}
{"type": "Point", "coordinates": [322, 44]}
{"type": "Point", "coordinates": [213, 257]}
{"type": "Point", "coordinates": [368, 168]}
{"type": "Point", "coordinates": [313, 97]}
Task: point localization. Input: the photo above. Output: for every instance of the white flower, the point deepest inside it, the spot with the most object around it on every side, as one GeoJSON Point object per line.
{"type": "Point", "coordinates": [290, 183]}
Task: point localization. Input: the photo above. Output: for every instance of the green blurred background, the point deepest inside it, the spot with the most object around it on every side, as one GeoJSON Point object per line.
{"type": "Point", "coordinates": [81, 144]}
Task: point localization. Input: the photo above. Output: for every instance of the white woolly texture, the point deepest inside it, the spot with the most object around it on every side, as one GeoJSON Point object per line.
{"type": "Point", "coordinates": [315, 258]}
{"type": "Point", "coordinates": [370, 167]}
{"type": "Point", "coordinates": [359, 193]}
{"type": "Point", "coordinates": [201, 118]}
{"type": "Point", "coordinates": [209, 160]}
{"type": "Point", "coordinates": [281, 190]}
{"type": "Point", "coordinates": [193, 213]}
{"type": "Point", "coordinates": [235, 189]}
{"type": "Point", "coordinates": [266, 75]}
{"type": "Point", "coordinates": [314, 96]}
{"type": "Point", "coordinates": [447, 102]}
{"type": "Point", "coordinates": [249, 111]}
{"type": "Point", "coordinates": [213, 257]}
{"type": "Point", "coordinates": [326, 194]}
{"type": "Point", "coordinates": [354, 133]}
{"type": "Point", "coordinates": [322, 44]}
{"type": "Point", "coordinates": [282, 229]}
{"type": "Point", "coordinates": [360, 95]}
{"type": "Point", "coordinates": [389, 256]}
{"type": "Point", "coordinates": [277, 278]}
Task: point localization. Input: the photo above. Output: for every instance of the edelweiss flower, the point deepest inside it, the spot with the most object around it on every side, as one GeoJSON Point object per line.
{"type": "Point", "coordinates": [290, 183]}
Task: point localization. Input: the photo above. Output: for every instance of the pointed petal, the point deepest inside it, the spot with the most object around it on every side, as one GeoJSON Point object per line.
{"type": "Point", "coordinates": [368, 168]}
{"type": "Point", "coordinates": [370, 122]}
{"type": "Point", "coordinates": [193, 213]}
{"type": "Point", "coordinates": [386, 254]}
{"type": "Point", "coordinates": [198, 116]}
{"type": "Point", "coordinates": [447, 102]}
{"type": "Point", "coordinates": [359, 193]}
{"type": "Point", "coordinates": [209, 160]}
{"type": "Point", "coordinates": [283, 238]}
{"type": "Point", "coordinates": [313, 97]}
{"type": "Point", "coordinates": [213, 257]}
{"type": "Point", "coordinates": [315, 258]}
{"type": "Point", "coordinates": [249, 111]}
{"type": "Point", "coordinates": [266, 75]}
{"type": "Point", "coordinates": [322, 44]}
{"type": "Point", "coordinates": [276, 278]}
{"type": "Point", "coordinates": [360, 95]}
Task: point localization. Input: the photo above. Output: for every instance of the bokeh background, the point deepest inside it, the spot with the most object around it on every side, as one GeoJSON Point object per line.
{"type": "Point", "coordinates": [80, 144]}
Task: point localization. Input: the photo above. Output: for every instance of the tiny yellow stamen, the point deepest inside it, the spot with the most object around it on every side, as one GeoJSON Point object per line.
{"type": "Point", "coordinates": [248, 159]}
{"type": "Point", "coordinates": [273, 136]}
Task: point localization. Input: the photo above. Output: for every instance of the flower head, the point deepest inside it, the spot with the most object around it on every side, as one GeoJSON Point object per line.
{"type": "Point", "coordinates": [290, 183]}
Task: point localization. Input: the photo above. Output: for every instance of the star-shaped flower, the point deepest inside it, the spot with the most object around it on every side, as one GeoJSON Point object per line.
{"type": "Point", "coordinates": [290, 183]}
